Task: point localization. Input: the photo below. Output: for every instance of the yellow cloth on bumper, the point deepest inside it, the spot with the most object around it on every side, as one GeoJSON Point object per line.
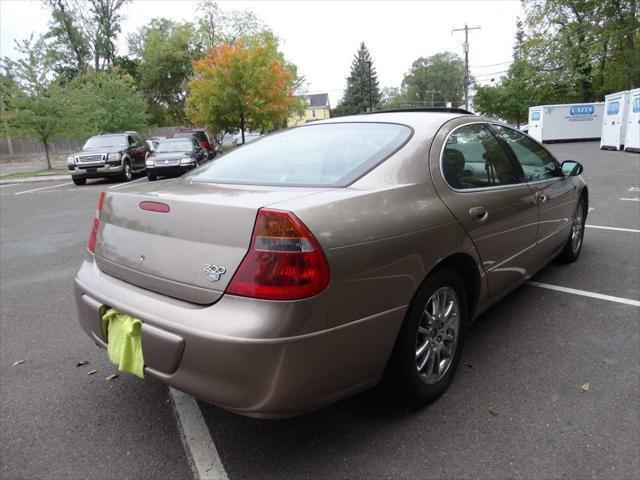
{"type": "Point", "coordinates": [124, 341]}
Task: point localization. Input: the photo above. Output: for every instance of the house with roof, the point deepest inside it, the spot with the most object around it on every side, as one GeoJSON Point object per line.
{"type": "Point", "coordinates": [318, 108]}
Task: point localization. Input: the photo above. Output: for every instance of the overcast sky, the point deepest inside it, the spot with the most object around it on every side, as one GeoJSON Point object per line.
{"type": "Point", "coordinates": [321, 37]}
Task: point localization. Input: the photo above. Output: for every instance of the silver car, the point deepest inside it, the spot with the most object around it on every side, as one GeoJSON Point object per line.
{"type": "Point", "coordinates": [316, 261]}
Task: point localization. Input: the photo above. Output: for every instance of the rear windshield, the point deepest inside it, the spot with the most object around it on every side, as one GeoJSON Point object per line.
{"type": "Point", "coordinates": [179, 145]}
{"type": "Point", "coordinates": [200, 136]}
{"type": "Point", "coordinates": [332, 154]}
{"type": "Point", "coordinates": [106, 141]}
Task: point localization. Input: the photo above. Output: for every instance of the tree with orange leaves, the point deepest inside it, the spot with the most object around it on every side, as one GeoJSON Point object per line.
{"type": "Point", "coordinates": [244, 86]}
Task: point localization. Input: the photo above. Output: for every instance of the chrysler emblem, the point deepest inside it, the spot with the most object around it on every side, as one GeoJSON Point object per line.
{"type": "Point", "coordinates": [213, 272]}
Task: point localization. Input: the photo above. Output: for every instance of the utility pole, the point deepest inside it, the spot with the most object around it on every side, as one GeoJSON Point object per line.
{"type": "Point", "coordinates": [370, 93]}
{"type": "Point", "coordinates": [465, 45]}
{"type": "Point", "coordinates": [432, 92]}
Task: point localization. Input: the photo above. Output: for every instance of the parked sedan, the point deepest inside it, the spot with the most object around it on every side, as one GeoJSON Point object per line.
{"type": "Point", "coordinates": [310, 265]}
{"type": "Point", "coordinates": [173, 157]}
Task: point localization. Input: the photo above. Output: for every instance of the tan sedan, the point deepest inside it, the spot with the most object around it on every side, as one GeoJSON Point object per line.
{"type": "Point", "coordinates": [312, 263]}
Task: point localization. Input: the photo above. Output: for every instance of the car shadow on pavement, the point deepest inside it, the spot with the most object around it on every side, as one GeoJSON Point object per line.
{"type": "Point", "coordinates": [516, 393]}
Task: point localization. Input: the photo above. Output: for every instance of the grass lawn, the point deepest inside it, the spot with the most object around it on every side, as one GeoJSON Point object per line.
{"type": "Point", "coordinates": [35, 173]}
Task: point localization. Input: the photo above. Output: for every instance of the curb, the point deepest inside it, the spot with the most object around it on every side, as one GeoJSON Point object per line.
{"type": "Point", "coordinates": [41, 178]}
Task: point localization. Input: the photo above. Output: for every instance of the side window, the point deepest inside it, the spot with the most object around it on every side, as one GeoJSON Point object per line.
{"type": "Point", "coordinates": [195, 143]}
{"type": "Point", "coordinates": [473, 158]}
{"type": "Point", "coordinates": [130, 141]}
{"type": "Point", "coordinates": [536, 162]}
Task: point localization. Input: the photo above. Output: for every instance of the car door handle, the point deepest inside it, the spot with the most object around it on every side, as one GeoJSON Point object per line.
{"type": "Point", "coordinates": [542, 197]}
{"type": "Point", "coordinates": [479, 214]}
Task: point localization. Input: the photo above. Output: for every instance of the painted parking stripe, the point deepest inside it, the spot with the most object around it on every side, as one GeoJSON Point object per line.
{"type": "Point", "coordinates": [43, 188]}
{"type": "Point", "coordinates": [10, 185]}
{"type": "Point", "coordinates": [584, 293]}
{"type": "Point", "coordinates": [634, 189]}
{"type": "Point", "coordinates": [203, 455]}
{"type": "Point", "coordinates": [617, 229]}
{"type": "Point", "coordinates": [636, 199]}
{"type": "Point", "coordinates": [124, 184]}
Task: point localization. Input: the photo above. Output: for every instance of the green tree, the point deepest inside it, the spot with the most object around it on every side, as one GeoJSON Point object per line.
{"type": "Point", "coordinates": [106, 101]}
{"type": "Point", "coordinates": [69, 46]}
{"type": "Point", "coordinates": [435, 80]}
{"type": "Point", "coordinates": [511, 98]}
{"type": "Point", "coordinates": [362, 89]}
{"type": "Point", "coordinates": [105, 20]}
{"type": "Point", "coordinates": [391, 97]}
{"type": "Point", "coordinates": [242, 86]}
{"type": "Point", "coordinates": [165, 50]}
{"type": "Point", "coordinates": [579, 50]}
{"type": "Point", "coordinates": [32, 105]}
{"type": "Point", "coordinates": [215, 26]}
{"type": "Point", "coordinates": [83, 32]}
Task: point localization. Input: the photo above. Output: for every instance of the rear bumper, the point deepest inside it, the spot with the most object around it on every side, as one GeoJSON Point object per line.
{"type": "Point", "coordinates": [232, 353]}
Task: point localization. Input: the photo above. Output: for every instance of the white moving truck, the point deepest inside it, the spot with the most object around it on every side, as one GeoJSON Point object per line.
{"type": "Point", "coordinates": [564, 123]}
{"type": "Point", "coordinates": [632, 139]}
{"type": "Point", "coordinates": [614, 123]}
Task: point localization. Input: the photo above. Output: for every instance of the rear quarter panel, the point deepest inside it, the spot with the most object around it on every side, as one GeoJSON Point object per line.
{"type": "Point", "coordinates": [382, 235]}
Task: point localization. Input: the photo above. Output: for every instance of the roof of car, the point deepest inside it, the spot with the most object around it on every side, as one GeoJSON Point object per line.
{"type": "Point", "coordinates": [414, 119]}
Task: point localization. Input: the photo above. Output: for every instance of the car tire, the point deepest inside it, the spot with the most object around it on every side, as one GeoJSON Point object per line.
{"type": "Point", "coordinates": [79, 180]}
{"type": "Point", "coordinates": [573, 247]}
{"type": "Point", "coordinates": [152, 176]}
{"type": "Point", "coordinates": [404, 375]}
{"type": "Point", "coordinates": [127, 175]}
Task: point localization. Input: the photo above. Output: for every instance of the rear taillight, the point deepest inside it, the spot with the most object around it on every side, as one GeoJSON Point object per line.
{"type": "Point", "coordinates": [284, 262]}
{"type": "Point", "coordinates": [96, 224]}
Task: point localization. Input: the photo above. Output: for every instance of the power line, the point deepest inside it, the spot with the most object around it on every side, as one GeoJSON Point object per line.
{"type": "Point", "coordinates": [491, 65]}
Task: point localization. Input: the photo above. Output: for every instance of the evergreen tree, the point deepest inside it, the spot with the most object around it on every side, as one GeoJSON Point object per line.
{"type": "Point", "coordinates": [362, 85]}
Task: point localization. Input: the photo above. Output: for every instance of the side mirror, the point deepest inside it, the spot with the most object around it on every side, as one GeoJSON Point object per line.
{"type": "Point", "coordinates": [571, 168]}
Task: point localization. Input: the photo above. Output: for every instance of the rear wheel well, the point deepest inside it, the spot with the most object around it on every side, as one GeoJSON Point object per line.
{"type": "Point", "coordinates": [465, 266]}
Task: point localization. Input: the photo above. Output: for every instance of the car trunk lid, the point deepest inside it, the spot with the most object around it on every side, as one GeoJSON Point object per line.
{"type": "Point", "coordinates": [192, 250]}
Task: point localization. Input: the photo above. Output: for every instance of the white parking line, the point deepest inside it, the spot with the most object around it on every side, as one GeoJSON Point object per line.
{"type": "Point", "coordinates": [10, 185]}
{"type": "Point", "coordinates": [124, 184]}
{"type": "Point", "coordinates": [204, 459]}
{"type": "Point", "coordinates": [42, 188]}
{"type": "Point", "coordinates": [584, 293]}
{"type": "Point", "coordinates": [636, 199]}
{"type": "Point", "coordinates": [614, 228]}
{"type": "Point", "coordinates": [634, 189]}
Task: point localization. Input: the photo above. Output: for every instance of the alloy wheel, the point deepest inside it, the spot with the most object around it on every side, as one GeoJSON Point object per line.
{"type": "Point", "coordinates": [578, 228]}
{"type": "Point", "coordinates": [437, 336]}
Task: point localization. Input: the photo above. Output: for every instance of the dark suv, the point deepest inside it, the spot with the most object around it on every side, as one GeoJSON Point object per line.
{"type": "Point", "coordinates": [199, 134]}
{"type": "Point", "coordinates": [109, 155]}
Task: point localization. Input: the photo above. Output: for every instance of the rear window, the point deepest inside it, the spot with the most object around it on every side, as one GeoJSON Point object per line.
{"type": "Point", "coordinates": [333, 154]}
{"type": "Point", "coordinates": [179, 145]}
{"type": "Point", "coordinates": [199, 135]}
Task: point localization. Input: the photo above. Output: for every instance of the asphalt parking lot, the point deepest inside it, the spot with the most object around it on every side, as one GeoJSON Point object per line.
{"type": "Point", "coordinates": [525, 360]}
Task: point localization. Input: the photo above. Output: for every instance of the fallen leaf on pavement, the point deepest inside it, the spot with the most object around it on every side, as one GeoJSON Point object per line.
{"type": "Point", "coordinates": [82, 363]}
{"type": "Point", "coordinates": [585, 387]}
{"type": "Point", "coordinates": [19, 362]}
{"type": "Point", "coordinates": [91, 372]}
{"type": "Point", "coordinates": [493, 410]}
{"type": "Point", "coordinates": [111, 377]}
{"type": "Point", "coordinates": [468, 365]}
